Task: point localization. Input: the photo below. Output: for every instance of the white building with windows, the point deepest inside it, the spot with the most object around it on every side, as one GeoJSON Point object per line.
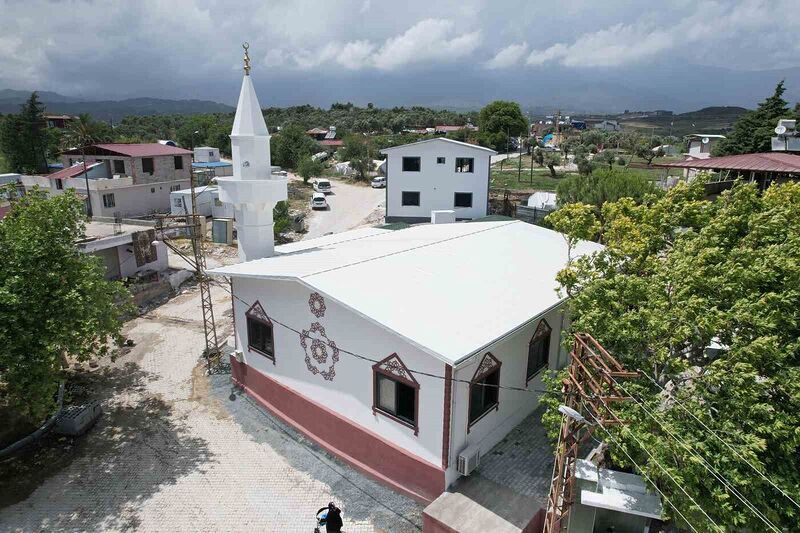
{"type": "Point", "coordinates": [410, 375]}
{"type": "Point", "coordinates": [436, 174]}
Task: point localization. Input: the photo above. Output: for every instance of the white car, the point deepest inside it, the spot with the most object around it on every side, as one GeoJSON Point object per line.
{"type": "Point", "coordinates": [322, 185]}
{"type": "Point", "coordinates": [379, 182]}
{"type": "Point", "coordinates": [318, 201]}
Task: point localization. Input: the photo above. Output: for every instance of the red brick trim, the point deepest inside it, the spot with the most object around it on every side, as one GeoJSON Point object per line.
{"type": "Point", "coordinates": [361, 448]}
{"type": "Point", "coordinates": [448, 392]}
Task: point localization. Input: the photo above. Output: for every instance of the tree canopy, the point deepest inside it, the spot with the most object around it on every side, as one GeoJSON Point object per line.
{"type": "Point", "coordinates": [54, 301]}
{"type": "Point", "coordinates": [753, 131]}
{"type": "Point", "coordinates": [702, 298]}
{"type": "Point", "coordinates": [604, 185]}
{"type": "Point", "coordinates": [291, 145]}
{"type": "Point", "coordinates": [500, 120]}
{"type": "Point", "coordinates": [25, 142]}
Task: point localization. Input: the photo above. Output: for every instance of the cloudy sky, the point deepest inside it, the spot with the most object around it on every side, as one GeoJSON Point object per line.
{"type": "Point", "coordinates": [581, 53]}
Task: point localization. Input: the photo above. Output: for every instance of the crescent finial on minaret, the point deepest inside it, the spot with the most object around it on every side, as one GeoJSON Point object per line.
{"type": "Point", "coordinates": [247, 67]}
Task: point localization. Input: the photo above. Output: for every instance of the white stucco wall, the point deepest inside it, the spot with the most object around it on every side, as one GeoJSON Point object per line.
{"type": "Point", "coordinates": [437, 183]}
{"type": "Point", "coordinates": [350, 393]}
{"type": "Point", "coordinates": [133, 200]}
{"type": "Point", "coordinates": [514, 406]}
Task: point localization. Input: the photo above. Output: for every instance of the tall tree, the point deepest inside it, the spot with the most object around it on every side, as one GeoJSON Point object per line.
{"type": "Point", "coordinates": [81, 133]}
{"type": "Point", "coordinates": [701, 297]}
{"type": "Point", "coordinates": [308, 168]}
{"type": "Point", "coordinates": [55, 303]}
{"type": "Point", "coordinates": [500, 120]}
{"type": "Point", "coordinates": [291, 145]}
{"type": "Point", "coordinates": [23, 139]}
{"type": "Point", "coordinates": [604, 185]}
{"type": "Point", "coordinates": [753, 131]}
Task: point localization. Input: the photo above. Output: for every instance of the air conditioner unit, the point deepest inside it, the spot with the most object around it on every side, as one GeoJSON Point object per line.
{"type": "Point", "coordinates": [468, 460]}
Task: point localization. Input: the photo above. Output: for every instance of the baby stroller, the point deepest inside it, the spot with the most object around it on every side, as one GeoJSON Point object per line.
{"type": "Point", "coordinates": [322, 519]}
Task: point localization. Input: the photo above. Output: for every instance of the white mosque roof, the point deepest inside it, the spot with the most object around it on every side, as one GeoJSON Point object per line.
{"type": "Point", "coordinates": [449, 289]}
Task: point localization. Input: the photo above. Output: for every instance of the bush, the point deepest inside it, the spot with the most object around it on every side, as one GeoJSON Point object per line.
{"type": "Point", "coordinates": [604, 186]}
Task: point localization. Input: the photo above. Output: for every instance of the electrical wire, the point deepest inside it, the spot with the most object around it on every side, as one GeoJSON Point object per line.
{"type": "Point", "coordinates": [376, 361]}
{"type": "Point", "coordinates": [731, 448]}
{"type": "Point", "coordinates": [641, 470]}
{"type": "Point", "coordinates": [714, 472]}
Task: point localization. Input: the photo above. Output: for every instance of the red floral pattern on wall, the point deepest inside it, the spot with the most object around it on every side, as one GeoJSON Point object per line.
{"type": "Point", "coordinates": [318, 347]}
{"type": "Point", "coordinates": [316, 303]}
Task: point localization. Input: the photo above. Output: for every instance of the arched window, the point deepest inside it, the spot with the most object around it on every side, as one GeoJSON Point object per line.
{"type": "Point", "coordinates": [538, 350]}
{"type": "Point", "coordinates": [396, 392]}
{"type": "Point", "coordinates": [484, 391]}
{"type": "Point", "coordinates": [260, 337]}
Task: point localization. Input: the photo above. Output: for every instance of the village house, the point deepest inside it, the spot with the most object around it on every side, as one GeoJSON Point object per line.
{"type": "Point", "coordinates": [436, 174]}
{"type": "Point", "coordinates": [409, 375]}
{"type": "Point", "coordinates": [126, 180]}
{"type": "Point", "coordinates": [126, 250]}
{"type": "Point", "coordinates": [700, 145]}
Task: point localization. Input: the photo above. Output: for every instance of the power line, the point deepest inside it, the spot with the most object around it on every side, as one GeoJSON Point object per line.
{"type": "Point", "coordinates": [641, 470]}
{"type": "Point", "coordinates": [375, 361]}
{"type": "Point", "coordinates": [705, 463]}
{"type": "Point", "coordinates": [796, 504]}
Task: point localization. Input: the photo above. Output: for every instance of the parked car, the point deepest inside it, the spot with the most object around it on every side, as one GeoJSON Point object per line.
{"type": "Point", "coordinates": [379, 182]}
{"type": "Point", "coordinates": [322, 185]}
{"type": "Point", "coordinates": [318, 201]}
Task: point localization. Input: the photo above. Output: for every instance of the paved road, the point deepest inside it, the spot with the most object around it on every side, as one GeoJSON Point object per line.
{"type": "Point", "coordinates": [350, 206]}
{"type": "Point", "coordinates": [173, 452]}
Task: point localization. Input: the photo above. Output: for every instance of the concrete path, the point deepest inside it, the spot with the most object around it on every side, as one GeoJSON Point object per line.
{"type": "Point", "coordinates": [174, 451]}
{"type": "Point", "coordinates": [350, 206]}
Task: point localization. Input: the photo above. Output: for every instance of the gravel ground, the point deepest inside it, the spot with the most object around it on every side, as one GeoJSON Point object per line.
{"type": "Point", "coordinates": [350, 206]}
{"type": "Point", "coordinates": [177, 450]}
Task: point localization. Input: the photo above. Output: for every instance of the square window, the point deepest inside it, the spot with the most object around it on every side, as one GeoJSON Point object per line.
{"type": "Point", "coordinates": [484, 395]}
{"type": "Point", "coordinates": [465, 164]}
{"type": "Point", "coordinates": [259, 337]}
{"type": "Point", "coordinates": [410, 198]}
{"type": "Point", "coordinates": [119, 166]}
{"type": "Point", "coordinates": [108, 200]}
{"type": "Point", "coordinates": [411, 164]}
{"type": "Point", "coordinates": [462, 199]}
{"type": "Point", "coordinates": [440, 160]}
{"type": "Point", "coordinates": [173, 188]}
{"type": "Point", "coordinates": [147, 165]}
{"type": "Point", "coordinates": [59, 184]}
{"type": "Point", "coordinates": [152, 189]}
{"type": "Point", "coordinates": [178, 162]}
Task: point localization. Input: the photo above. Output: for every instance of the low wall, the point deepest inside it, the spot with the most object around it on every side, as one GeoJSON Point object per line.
{"type": "Point", "coordinates": [355, 445]}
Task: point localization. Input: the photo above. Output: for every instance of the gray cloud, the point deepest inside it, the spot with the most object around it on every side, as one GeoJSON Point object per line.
{"type": "Point", "coordinates": [191, 48]}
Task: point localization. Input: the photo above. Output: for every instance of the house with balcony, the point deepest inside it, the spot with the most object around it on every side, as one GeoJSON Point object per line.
{"type": "Point", "coordinates": [436, 174]}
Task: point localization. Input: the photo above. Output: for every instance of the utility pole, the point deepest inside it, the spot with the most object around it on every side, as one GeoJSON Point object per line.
{"type": "Point", "coordinates": [196, 234]}
{"type": "Point", "coordinates": [589, 388]}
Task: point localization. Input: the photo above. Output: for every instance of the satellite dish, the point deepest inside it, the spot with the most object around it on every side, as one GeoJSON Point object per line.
{"type": "Point", "coordinates": [705, 140]}
{"type": "Point", "coordinates": [780, 130]}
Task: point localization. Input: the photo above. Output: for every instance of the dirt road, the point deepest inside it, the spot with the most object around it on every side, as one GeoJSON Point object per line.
{"type": "Point", "coordinates": [350, 206]}
{"type": "Point", "coordinates": [177, 450]}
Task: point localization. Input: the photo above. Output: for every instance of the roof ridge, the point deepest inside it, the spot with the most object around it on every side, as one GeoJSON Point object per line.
{"type": "Point", "coordinates": [408, 249]}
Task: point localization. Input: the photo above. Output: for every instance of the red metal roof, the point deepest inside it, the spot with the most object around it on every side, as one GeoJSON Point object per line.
{"type": "Point", "coordinates": [71, 172]}
{"type": "Point", "coordinates": [762, 162]}
{"type": "Point", "coordinates": [331, 142]}
{"type": "Point", "coordinates": [134, 150]}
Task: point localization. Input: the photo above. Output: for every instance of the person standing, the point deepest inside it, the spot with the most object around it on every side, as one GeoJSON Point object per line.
{"type": "Point", "coordinates": [334, 521]}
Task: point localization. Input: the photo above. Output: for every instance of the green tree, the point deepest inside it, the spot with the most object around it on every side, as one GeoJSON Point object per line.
{"type": "Point", "coordinates": [604, 185]}
{"type": "Point", "coordinates": [309, 168]}
{"type": "Point", "coordinates": [54, 301]}
{"type": "Point", "coordinates": [291, 145]}
{"type": "Point", "coordinates": [23, 139]}
{"type": "Point", "coordinates": [500, 120]}
{"type": "Point", "coordinates": [753, 131]}
{"type": "Point", "coordinates": [362, 166]}
{"type": "Point", "coordinates": [678, 274]}
{"type": "Point", "coordinates": [81, 133]}
{"type": "Point", "coordinates": [551, 160]}
{"type": "Point", "coordinates": [606, 157]}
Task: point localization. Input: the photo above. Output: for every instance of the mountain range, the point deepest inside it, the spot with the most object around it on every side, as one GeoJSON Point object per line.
{"type": "Point", "coordinates": [114, 110]}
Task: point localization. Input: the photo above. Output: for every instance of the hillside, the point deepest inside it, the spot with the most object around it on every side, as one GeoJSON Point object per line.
{"type": "Point", "coordinates": [10, 101]}
{"type": "Point", "coordinates": [706, 120]}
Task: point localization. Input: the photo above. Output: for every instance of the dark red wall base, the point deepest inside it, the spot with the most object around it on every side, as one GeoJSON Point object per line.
{"type": "Point", "coordinates": [353, 444]}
